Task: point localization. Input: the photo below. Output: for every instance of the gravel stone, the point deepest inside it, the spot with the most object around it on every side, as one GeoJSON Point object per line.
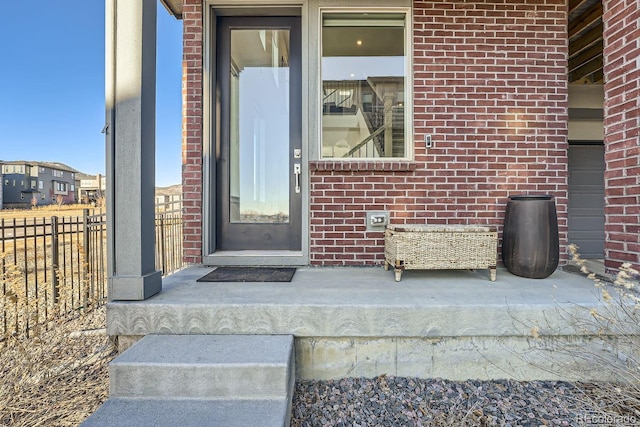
{"type": "Point", "coordinates": [396, 401]}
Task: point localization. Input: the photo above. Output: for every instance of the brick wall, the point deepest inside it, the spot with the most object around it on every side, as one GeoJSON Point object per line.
{"type": "Point", "coordinates": [192, 104]}
{"type": "Point", "coordinates": [490, 86]}
{"type": "Point", "coordinates": [622, 132]}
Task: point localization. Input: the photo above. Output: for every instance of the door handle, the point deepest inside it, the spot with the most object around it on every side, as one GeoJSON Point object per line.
{"type": "Point", "coordinates": [297, 170]}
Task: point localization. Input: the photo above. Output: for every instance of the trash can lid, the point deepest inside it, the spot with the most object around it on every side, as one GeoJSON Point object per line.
{"type": "Point", "coordinates": [532, 197]}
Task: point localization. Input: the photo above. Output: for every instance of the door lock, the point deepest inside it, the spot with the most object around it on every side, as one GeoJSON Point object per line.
{"type": "Point", "coordinates": [297, 170]}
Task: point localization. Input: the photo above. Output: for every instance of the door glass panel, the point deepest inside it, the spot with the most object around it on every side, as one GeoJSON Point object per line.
{"type": "Point", "coordinates": [259, 126]}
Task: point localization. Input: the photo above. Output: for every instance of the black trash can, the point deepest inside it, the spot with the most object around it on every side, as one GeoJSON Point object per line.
{"type": "Point", "coordinates": [530, 244]}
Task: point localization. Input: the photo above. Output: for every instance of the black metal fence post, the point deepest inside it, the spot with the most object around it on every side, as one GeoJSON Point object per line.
{"type": "Point", "coordinates": [163, 254]}
{"type": "Point", "coordinates": [86, 275]}
{"type": "Point", "coordinates": [55, 253]}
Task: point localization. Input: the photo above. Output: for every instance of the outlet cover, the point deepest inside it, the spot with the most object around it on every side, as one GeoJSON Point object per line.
{"type": "Point", "coordinates": [377, 220]}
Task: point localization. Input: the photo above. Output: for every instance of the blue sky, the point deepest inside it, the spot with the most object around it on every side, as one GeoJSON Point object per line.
{"type": "Point", "coordinates": [52, 86]}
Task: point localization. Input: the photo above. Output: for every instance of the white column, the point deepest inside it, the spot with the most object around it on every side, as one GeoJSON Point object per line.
{"type": "Point", "coordinates": [130, 85]}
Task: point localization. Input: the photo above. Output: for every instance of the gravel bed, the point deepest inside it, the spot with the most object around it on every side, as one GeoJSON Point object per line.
{"type": "Point", "coordinates": [395, 401]}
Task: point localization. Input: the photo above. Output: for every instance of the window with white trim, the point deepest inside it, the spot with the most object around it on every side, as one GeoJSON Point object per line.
{"type": "Point", "coordinates": [364, 85]}
{"type": "Point", "coordinates": [60, 187]}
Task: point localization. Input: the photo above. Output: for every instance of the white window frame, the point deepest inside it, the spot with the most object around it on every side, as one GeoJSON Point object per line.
{"type": "Point", "coordinates": [408, 88]}
{"type": "Point", "coordinates": [60, 187]}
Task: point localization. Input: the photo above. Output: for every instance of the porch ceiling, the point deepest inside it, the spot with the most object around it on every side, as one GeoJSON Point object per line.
{"type": "Point", "coordinates": [584, 31]}
{"type": "Point", "coordinates": [174, 7]}
{"type": "Point", "coordinates": [585, 41]}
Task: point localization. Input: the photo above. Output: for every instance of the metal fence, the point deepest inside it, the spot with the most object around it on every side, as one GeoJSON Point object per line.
{"type": "Point", "coordinates": [169, 241]}
{"type": "Point", "coordinates": [53, 266]}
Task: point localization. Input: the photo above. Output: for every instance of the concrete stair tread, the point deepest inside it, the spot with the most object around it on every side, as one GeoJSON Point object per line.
{"type": "Point", "coordinates": [241, 367]}
{"type": "Point", "coordinates": [208, 349]}
{"type": "Point", "coordinates": [190, 412]}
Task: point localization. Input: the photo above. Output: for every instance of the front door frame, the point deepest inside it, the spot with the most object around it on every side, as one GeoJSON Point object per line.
{"type": "Point", "coordinates": [211, 132]}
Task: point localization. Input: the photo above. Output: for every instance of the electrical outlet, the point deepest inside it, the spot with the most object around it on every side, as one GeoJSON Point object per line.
{"type": "Point", "coordinates": [377, 221]}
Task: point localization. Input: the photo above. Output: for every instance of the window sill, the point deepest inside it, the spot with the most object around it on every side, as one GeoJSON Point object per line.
{"type": "Point", "coordinates": [363, 165]}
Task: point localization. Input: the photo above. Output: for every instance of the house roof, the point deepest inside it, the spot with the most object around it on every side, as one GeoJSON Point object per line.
{"type": "Point", "coordinates": [82, 175]}
{"type": "Point", "coordinates": [50, 165]}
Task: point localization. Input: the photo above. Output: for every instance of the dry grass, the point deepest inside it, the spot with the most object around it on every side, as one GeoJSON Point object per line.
{"type": "Point", "coordinates": [59, 377]}
{"type": "Point", "coordinates": [47, 211]}
{"type": "Point", "coordinates": [616, 322]}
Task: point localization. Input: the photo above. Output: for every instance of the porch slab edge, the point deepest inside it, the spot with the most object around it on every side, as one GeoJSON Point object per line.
{"type": "Point", "coordinates": [364, 302]}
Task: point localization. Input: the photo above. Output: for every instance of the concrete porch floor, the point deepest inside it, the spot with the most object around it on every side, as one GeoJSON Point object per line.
{"type": "Point", "coordinates": [351, 321]}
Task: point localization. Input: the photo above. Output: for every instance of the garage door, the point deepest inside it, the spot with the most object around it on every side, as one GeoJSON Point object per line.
{"type": "Point", "coordinates": [586, 199]}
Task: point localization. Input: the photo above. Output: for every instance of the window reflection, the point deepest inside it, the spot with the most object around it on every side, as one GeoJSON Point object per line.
{"type": "Point", "coordinates": [363, 85]}
{"type": "Point", "coordinates": [259, 128]}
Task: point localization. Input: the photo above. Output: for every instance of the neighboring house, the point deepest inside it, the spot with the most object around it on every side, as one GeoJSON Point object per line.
{"type": "Point", "coordinates": [27, 182]}
{"type": "Point", "coordinates": [91, 188]}
{"type": "Point", "coordinates": [300, 117]}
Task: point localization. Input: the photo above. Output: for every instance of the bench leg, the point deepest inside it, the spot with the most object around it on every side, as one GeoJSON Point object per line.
{"type": "Point", "coordinates": [493, 273]}
{"type": "Point", "coordinates": [386, 266]}
{"type": "Point", "coordinates": [398, 267]}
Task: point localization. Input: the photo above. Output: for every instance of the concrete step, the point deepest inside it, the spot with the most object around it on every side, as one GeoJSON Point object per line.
{"type": "Point", "coordinates": [205, 367]}
{"type": "Point", "coordinates": [118, 412]}
{"type": "Point", "coordinates": [197, 380]}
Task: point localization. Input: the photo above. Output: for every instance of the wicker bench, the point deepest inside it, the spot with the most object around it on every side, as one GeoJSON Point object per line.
{"type": "Point", "coordinates": [436, 247]}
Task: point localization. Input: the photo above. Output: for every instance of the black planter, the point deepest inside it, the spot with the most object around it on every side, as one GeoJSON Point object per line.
{"type": "Point", "coordinates": [530, 245]}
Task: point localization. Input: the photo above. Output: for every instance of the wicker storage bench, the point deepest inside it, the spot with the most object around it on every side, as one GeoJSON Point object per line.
{"type": "Point", "coordinates": [440, 247]}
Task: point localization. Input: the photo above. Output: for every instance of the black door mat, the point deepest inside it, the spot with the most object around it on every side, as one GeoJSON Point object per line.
{"type": "Point", "coordinates": [249, 274]}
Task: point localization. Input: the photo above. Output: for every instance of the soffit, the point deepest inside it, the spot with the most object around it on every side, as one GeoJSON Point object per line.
{"type": "Point", "coordinates": [584, 31]}
{"type": "Point", "coordinates": [174, 7]}
{"type": "Point", "coordinates": [585, 41]}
